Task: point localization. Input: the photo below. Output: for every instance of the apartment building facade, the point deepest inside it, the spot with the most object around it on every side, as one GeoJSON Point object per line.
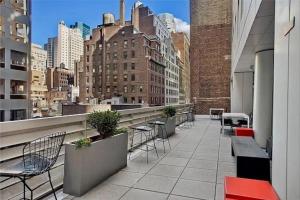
{"type": "Point", "coordinates": [150, 24]}
{"type": "Point", "coordinates": [265, 80]}
{"type": "Point", "coordinates": [15, 41]}
{"type": "Point", "coordinates": [210, 51]}
{"type": "Point", "coordinates": [38, 76]}
{"type": "Point", "coordinates": [182, 45]}
{"type": "Point", "coordinates": [122, 62]}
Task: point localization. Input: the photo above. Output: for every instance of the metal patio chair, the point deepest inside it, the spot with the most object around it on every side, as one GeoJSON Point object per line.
{"type": "Point", "coordinates": [39, 156]}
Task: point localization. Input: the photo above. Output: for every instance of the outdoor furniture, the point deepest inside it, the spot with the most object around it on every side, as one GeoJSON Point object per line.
{"type": "Point", "coordinates": [164, 136]}
{"type": "Point", "coordinates": [146, 132]}
{"type": "Point", "coordinates": [248, 189]}
{"type": "Point", "coordinates": [234, 116]}
{"type": "Point", "coordinates": [215, 113]}
{"type": "Point", "coordinates": [38, 157]}
{"type": "Point", "coordinates": [244, 132]}
{"type": "Point", "coordinates": [188, 122]}
{"type": "Point", "coordinates": [251, 160]}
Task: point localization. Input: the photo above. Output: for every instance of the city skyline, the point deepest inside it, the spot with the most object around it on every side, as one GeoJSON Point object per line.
{"type": "Point", "coordinates": [47, 14]}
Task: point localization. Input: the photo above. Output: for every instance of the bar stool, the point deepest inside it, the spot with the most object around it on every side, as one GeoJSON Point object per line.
{"type": "Point", "coordinates": [163, 137]}
{"type": "Point", "coordinates": [145, 131]}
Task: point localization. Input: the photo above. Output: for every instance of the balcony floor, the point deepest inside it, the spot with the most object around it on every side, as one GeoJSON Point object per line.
{"type": "Point", "coordinates": [193, 169]}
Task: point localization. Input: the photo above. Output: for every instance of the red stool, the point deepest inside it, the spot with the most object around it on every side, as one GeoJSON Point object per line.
{"type": "Point", "coordinates": [244, 132]}
{"type": "Point", "coordinates": [248, 189]}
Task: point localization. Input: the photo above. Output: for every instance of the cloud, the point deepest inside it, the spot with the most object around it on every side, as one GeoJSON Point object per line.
{"type": "Point", "coordinates": [182, 26]}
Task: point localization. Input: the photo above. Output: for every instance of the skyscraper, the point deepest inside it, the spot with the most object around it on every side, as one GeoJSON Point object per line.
{"type": "Point", "coordinates": [210, 54]}
{"type": "Point", "coordinates": [84, 29]}
{"type": "Point", "coordinates": [15, 40]}
{"type": "Point", "coordinates": [51, 47]}
{"type": "Point", "coordinates": [69, 46]}
{"type": "Point", "coordinates": [169, 21]}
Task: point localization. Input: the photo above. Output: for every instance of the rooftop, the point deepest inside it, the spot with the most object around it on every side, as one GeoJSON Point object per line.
{"type": "Point", "coordinates": [194, 168]}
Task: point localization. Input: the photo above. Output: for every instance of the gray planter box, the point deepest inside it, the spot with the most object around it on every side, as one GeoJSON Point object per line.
{"type": "Point", "coordinates": [170, 127]}
{"type": "Point", "coordinates": [87, 167]}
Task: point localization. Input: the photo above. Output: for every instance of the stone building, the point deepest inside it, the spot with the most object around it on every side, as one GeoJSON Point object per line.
{"type": "Point", "coordinates": [118, 61]}
{"type": "Point", "coordinates": [182, 44]}
{"type": "Point", "coordinates": [211, 22]}
{"type": "Point", "coordinates": [15, 48]}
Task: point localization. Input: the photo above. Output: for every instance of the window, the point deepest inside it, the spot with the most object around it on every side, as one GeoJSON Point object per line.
{"type": "Point", "coordinates": [115, 78]}
{"type": "Point", "coordinates": [133, 100]}
{"type": "Point", "coordinates": [125, 55]}
{"type": "Point", "coordinates": [125, 89]}
{"type": "Point", "coordinates": [107, 56]}
{"type": "Point", "coordinates": [141, 88]}
{"type": "Point", "coordinates": [107, 89]}
{"type": "Point", "coordinates": [132, 54]}
{"type": "Point", "coordinates": [133, 43]}
{"type": "Point", "coordinates": [115, 67]}
{"type": "Point", "coordinates": [125, 44]}
{"type": "Point", "coordinates": [115, 43]}
{"type": "Point", "coordinates": [132, 77]}
{"type": "Point", "coordinates": [133, 66]}
{"type": "Point", "coordinates": [115, 55]}
{"type": "Point", "coordinates": [108, 45]}
{"type": "Point", "coordinates": [132, 88]}
{"type": "Point", "coordinates": [87, 58]}
{"type": "Point", "coordinates": [125, 66]}
{"type": "Point", "coordinates": [125, 77]}
{"type": "Point", "coordinates": [100, 46]}
{"type": "Point", "coordinates": [140, 99]}
{"type": "Point", "coordinates": [123, 33]}
{"type": "Point", "coordinates": [87, 48]}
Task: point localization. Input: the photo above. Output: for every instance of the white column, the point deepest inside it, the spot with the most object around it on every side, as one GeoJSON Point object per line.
{"type": "Point", "coordinates": [263, 96]}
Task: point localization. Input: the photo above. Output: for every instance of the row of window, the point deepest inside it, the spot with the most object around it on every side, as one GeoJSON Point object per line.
{"type": "Point", "coordinates": [133, 89]}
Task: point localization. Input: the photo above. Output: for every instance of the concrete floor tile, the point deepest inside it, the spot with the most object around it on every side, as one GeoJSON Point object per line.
{"type": "Point", "coordinates": [180, 154]}
{"type": "Point", "coordinates": [136, 194]}
{"type": "Point", "coordinates": [202, 164]}
{"type": "Point", "coordinates": [174, 197]}
{"type": "Point", "coordinates": [156, 183]}
{"type": "Point", "coordinates": [124, 178]}
{"type": "Point", "coordinates": [204, 175]}
{"type": "Point", "coordinates": [166, 170]}
{"type": "Point", "coordinates": [181, 162]}
{"type": "Point", "coordinates": [194, 189]}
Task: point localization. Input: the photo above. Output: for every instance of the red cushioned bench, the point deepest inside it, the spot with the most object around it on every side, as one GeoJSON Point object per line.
{"type": "Point", "coordinates": [248, 189]}
{"type": "Point", "coordinates": [244, 132]}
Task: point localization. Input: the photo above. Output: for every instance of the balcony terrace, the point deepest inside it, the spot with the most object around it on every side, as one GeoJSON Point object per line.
{"type": "Point", "coordinates": [194, 168]}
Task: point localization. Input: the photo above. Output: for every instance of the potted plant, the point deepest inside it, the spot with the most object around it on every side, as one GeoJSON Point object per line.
{"type": "Point", "coordinates": [169, 118]}
{"type": "Point", "coordinates": [89, 161]}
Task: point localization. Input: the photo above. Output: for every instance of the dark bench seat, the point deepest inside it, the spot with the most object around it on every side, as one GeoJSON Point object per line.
{"type": "Point", "coordinates": [251, 160]}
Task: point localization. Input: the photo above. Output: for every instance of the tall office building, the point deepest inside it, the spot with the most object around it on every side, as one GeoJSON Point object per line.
{"type": "Point", "coordinates": [169, 21]}
{"type": "Point", "coordinates": [150, 24]}
{"type": "Point", "coordinates": [210, 54]}
{"type": "Point", "coordinates": [69, 46]}
{"type": "Point", "coordinates": [51, 48]}
{"type": "Point", "coordinates": [15, 45]}
{"type": "Point", "coordinates": [84, 29]}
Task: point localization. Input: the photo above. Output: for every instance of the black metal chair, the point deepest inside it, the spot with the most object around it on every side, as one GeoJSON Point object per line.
{"type": "Point", "coordinates": [161, 134]}
{"type": "Point", "coordinates": [39, 156]}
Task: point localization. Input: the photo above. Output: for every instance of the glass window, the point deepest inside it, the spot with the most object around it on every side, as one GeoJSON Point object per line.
{"type": "Point", "coordinates": [132, 77]}
{"type": "Point", "coordinates": [133, 66]}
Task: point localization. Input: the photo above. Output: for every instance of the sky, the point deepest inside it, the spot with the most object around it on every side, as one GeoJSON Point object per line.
{"type": "Point", "coordinates": [47, 13]}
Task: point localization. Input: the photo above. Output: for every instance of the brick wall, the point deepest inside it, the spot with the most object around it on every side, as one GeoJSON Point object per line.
{"type": "Point", "coordinates": [210, 56]}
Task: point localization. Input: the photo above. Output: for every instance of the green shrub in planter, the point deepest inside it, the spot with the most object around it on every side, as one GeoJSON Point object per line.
{"type": "Point", "coordinates": [169, 111]}
{"type": "Point", "coordinates": [104, 122]}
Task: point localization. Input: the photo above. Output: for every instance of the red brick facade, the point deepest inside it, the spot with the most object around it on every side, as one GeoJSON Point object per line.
{"type": "Point", "coordinates": [210, 64]}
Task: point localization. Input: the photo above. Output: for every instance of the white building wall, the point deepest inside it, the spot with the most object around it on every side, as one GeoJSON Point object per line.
{"type": "Point", "coordinates": [242, 93]}
{"type": "Point", "coordinates": [286, 126]}
{"type": "Point", "coordinates": [286, 97]}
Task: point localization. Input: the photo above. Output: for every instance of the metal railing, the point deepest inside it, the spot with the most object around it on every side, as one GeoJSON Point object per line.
{"type": "Point", "coordinates": [14, 134]}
